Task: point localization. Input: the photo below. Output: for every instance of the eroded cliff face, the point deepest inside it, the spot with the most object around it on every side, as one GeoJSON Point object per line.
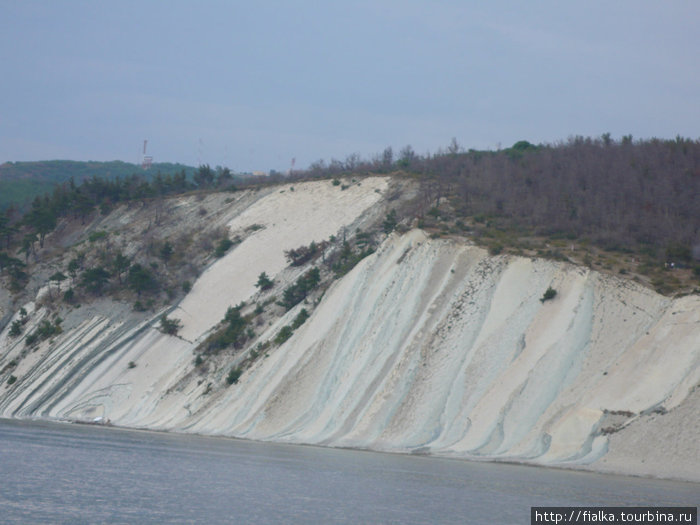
{"type": "Point", "coordinates": [426, 346]}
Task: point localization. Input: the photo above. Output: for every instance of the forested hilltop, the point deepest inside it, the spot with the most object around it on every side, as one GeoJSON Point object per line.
{"type": "Point", "coordinates": [20, 182]}
{"type": "Point", "coordinates": [627, 207]}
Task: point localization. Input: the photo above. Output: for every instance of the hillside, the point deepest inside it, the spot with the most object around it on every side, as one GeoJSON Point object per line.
{"type": "Point", "coordinates": [21, 182]}
{"type": "Point", "coordinates": [624, 206]}
{"type": "Point", "coordinates": [366, 337]}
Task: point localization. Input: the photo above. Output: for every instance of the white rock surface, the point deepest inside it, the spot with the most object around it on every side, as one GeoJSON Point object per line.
{"type": "Point", "coordinates": [427, 346]}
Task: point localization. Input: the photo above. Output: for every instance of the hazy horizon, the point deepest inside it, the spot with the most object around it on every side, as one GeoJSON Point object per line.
{"type": "Point", "coordinates": [252, 86]}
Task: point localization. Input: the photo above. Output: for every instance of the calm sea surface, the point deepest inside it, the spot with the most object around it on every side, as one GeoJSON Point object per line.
{"type": "Point", "coordinates": [60, 473]}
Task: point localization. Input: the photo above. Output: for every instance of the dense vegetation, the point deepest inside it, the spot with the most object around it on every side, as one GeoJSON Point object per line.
{"type": "Point", "coordinates": [233, 332]}
{"type": "Point", "coordinates": [626, 199]}
{"type": "Point", "coordinates": [297, 292]}
{"type": "Point", "coordinates": [21, 182]}
{"type": "Point", "coordinates": [633, 197]}
{"type": "Point", "coordinates": [100, 267]}
{"type": "Point", "coordinates": [621, 194]}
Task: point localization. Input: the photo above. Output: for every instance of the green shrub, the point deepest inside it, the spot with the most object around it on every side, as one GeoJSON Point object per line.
{"type": "Point", "coordinates": [264, 282]}
{"type": "Point", "coordinates": [233, 333]}
{"type": "Point", "coordinates": [234, 375]}
{"type": "Point", "coordinates": [679, 252]}
{"type": "Point", "coordinates": [15, 329]}
{"type": "Point", "coordinates": [141, 279]}
{"type": "Point", "coordinates": [95, 279]}
{"type": "Point", "coordinates": [166, 251]}
{"type": "Point", "coordinates": [97, 236]}
{"type": "Point", "coordinates": [303, 254]}
{"type": "Point", "coordinates": [549, 294]}
{"type": "Point", "coordinates": [300, 319]}
{"type": "Point", "coordinates": [390, 222]}
{"type": "Point", "coordinates": [298, 291]}
{"type": "Point", "coordinates": [495, 248]}
{"type": "Point", "coordinates": [348, 258]}
{"type": "Point", "coordinates": [287, 331]}
{"type": "Point", "coordinates": [284, 334]}
{"type": "Point", "coordinates": [169, 326]}
{"type": "Point", "coordinates": [11, 380]}
{"type": "Point", "coordinates": [69, 295]}
{"type": "Point", "coordinates": [223, 247]}
{"type": "Point", "coordinates": [44, 331]}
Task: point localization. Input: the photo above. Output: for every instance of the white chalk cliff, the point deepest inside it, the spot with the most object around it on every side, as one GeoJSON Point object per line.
{"type": "Point", "coordinates": [426, 346]}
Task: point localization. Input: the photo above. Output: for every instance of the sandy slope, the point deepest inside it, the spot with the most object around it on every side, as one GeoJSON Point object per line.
{"type": "Point", "coordinates": [289, 218]}
{"type": "Point", "coordinates": [427, 346]}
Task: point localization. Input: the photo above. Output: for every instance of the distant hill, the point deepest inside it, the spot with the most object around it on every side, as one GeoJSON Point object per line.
{"type": "Point", "coordinates": [21, 182]}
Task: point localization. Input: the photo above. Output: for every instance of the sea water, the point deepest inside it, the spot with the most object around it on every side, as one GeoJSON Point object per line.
{"type": "Point", "coordinates": [66, 473]}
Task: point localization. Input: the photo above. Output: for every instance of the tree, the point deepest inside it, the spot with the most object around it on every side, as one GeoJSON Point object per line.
{"type": "Point", "coordinates": [234, 375]}
{"type": "Point", "coordinates": [223, 176]}
{"type": "Point", "coordinates": [454, 148]}
{"type": "Point", "coordinates": [523, 145]}
{"type": "Point", "coordinates": [300, 319]}
{"type": "Point", "coordinates": [15, 329]}
{"type": "Point", "coordinates": [387, 158]}
{"type": "Point", "coordinates": [223, 247]}
{"type": "Point", "coordinates": [42, 219]}
{"type": "Point", "coordinates": [298, 291]}
{"type": "Point", "coordinates": [69, 295]}
{"type": "Point", "coordinates": [406, 157]}
{"type": "Point", "coordinates": [57, 277]}
{"type": "Point", "coordinates": [140, 279]}
{"type": "Point", "coordinates": [264, 282]}
{"type": "Point", "coordinates": [204, 177]}
{"type": "Point", "coordinates": [28, 245]}
{"type": "Point", "coordinates": [9, 262]}
{"type": "Point", "coordinates": [5, 229]}
{"type": "Point", "coordinates": [74, 265]}
{"type": "Point", "coordinates": [95, 279]}
{"type": "Point", "coordinates": [232, 333]}
{"type": "Point", "coordinates": [166, 251]}
{"type": "Point", "coordinates": [549, 294]}
{"type": "Point", "coordinates": [169, 326]}
{"type": "Point", "coordinates": [303, 254]}
{"type": "Point", "coordinates": [352, 161]}
{"type": "Point", "coordinates": [82, 205]}
{"type": "Point", "coordinates": [120, 264]}
{"type": "Point", "coordinates": [284, 334]}
{"type": "Point", "coordinates": [390, 222]}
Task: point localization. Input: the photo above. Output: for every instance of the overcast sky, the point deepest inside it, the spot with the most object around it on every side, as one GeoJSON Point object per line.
{"type": "Point", "coordinates": [251, 85]}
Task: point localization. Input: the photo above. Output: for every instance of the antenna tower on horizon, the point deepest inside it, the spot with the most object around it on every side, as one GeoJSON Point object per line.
{"type": "Point", "coordinates": [147, 159]}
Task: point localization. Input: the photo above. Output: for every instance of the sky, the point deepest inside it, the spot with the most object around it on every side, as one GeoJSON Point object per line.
{"type": "Point", "coordinates": [253, 85]}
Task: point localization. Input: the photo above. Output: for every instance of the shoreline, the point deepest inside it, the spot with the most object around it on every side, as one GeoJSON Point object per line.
{"type": "Point", "coordinates": [580, 469]}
